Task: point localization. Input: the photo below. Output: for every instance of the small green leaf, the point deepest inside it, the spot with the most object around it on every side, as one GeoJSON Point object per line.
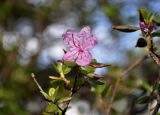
{"type": "Point", "coordinates": [64, 99]}
{"type": "Point", "coordinates": [66, 69]}
{"type": "Point", "coordinates": [93, 81]}
{"type": "Point", "coordinates": [143, 12]}
{"type": "Point", "coordinates": [103, 89]}
{"type": "Point", "coordinates": [51, 108]}
{"type": "Point", "coordinates": [69, 63]}
{"type": "Point", "coordinates": [156, 22]}
{"type": "Point", "coordinates": [147, 86]}
{"type": "Point", "coordinates": [51, 92]}
{"type": "Point", "coordinates": [62, 68]}
{"type": "Point", "coordinates": [156, 34]}
{"type": "Point", "coordinates": [87, 69]}
{"type": "Point", "coordinates": [126, 28]}
{"type": "Point", "coordinates": [58, 68]}
{"type": "Point", "coordinates": [99, 82]}
{"type": "Point", "coordinates": [55, 94]}
{"type": "Point", "coordinates": [143, 100]}
{"type": "Point", "coordinates": [141, 42]}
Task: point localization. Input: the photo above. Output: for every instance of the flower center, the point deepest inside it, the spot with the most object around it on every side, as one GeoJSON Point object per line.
{"type": "Point", "coordinates": [80, 49]}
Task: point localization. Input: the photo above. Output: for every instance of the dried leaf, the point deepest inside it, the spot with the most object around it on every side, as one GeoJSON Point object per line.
{"type": "Point", "coordinates": [126, 28]}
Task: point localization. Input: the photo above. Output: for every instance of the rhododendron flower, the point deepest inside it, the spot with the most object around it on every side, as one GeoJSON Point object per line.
{"type": "Point", "coordinates": [79, 43]}
{"type": "Point", "coordinates": [146, 27]}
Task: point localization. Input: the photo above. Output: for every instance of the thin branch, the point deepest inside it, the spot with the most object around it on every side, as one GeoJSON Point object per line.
{"type": "Point", "coordinates": [157, 93]}
{"type": "Point", "coordinates": [40, 88]}
{"type": "Point", "coordinates": [131, 67]}
{"type": "Point", "coordinates": [156, 109]}
{"type": "Point", "coordinates": [73, 91]}
{"type": "Point", "coordinates": [150, 49]}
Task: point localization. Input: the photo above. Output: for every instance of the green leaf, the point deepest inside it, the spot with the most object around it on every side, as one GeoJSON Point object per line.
{"type": "Point", "coordinates": [62, 68]}
{"type": "Point", "coordinates": [143, 13]}
{"type": "Point", "coordinates": [149, 17]}
{"type": "Point", "coordinates": [55, 94]}
{"type": "Point", "coordinates": [103, 89]}
{"type": "Point", "coordinates": [143, 100]}
{"type": "Point", "coordinates": [69, 63]}
{"type": "Point", "coordinates": [93, 81]}
{"type": "Point", "coordinates": [147, 86]}
{"type": "Point", "coordinates": [51, 92]}
{"type": "Point", "coordinates": [87, 69]}
{"type": "Point", "coordinates": [64, 99]}
{"type": "Point", "coordinates": [51, 109]}
{"type": "Point", "coordinates": [66, 69]}
{"type": "Point", "coordinates": [141, 42]}
{"type": "Point", "coordinates": [156, 19]}
{"type": "Point", "coordinates": [156, 34]}
{"type": "Point", "coordinates": [126, 28]}
{"type": "Point", "coordinates": [58, 68]}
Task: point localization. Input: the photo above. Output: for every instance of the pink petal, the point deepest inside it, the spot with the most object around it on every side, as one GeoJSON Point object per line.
{"type": "Point", "coordinates": [91, 42]}
{"type": "Point", "coordinates": [86, 30]}
{"type": "Point", "coordinates": [71, 38]}
{"type": "Point", "coordinates": [71, 55]}
{"type": "Point", "coordinates": [88, 41]}
{"type": "Point", "coordinates": [68, 37]}
{"type": "Point", "coordinates": [84, 58]}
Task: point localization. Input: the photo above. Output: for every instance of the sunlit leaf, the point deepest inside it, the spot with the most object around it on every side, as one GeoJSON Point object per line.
{"type": "Point", "coordinates": [69, 63]}
{"type": "Point", "coordinates": [51, 92]}
{"type": "Point", "coordinates": [64, 99]}
{"type": "Point", "coordinates": [59, 67]}
{"type": "Point", "coordinates": [87, 69]}
{"type": "Point", "coordinates": [53, 96]}
{"type": "Point", "coordinates": [143, 13]}
{"type": "Point", "coordinates": [66, 69]}
{"type": "Point", "coordinates": [51, 109]}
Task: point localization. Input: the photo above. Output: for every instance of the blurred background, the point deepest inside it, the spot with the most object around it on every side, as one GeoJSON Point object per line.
{"type": "Point", "coordinates": [31, 39]}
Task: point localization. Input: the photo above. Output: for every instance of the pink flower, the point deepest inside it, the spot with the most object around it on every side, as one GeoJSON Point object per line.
{"type": "Point", "coordinates": [146, 27]}
{"type": "Point", "coordinates": [79, 43]}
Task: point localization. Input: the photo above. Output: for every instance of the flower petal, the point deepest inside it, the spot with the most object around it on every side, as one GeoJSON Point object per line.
{"type": "Point", "coordinates": [71, 38]}
{"type": "Point", "coordinates": [84, 58]}
{"type": "Point", "coordinates": [90, 42]}
{"type": "Point", "coordinates": [71, 55]}
{"type": "Point", "coordinates": [86, 31]}
{"type": "Point", "coordinates": [68, 37]}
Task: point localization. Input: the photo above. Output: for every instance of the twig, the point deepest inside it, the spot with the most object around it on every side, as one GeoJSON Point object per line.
{"type": "Point", "coordinates": [150, 49]}
{"type": "Point", "coordinates": [157, 93]}
{"type": "Point", "coordinates": [40, 88]}
{"type": "Point", "coordinates": [131, 67]}
{"type": "Point", "coordinates": [156, 109]}
{"type": "Point", "coordinates": [64, 79]}
{"type": "Point", "coordinates": [73, 91]}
